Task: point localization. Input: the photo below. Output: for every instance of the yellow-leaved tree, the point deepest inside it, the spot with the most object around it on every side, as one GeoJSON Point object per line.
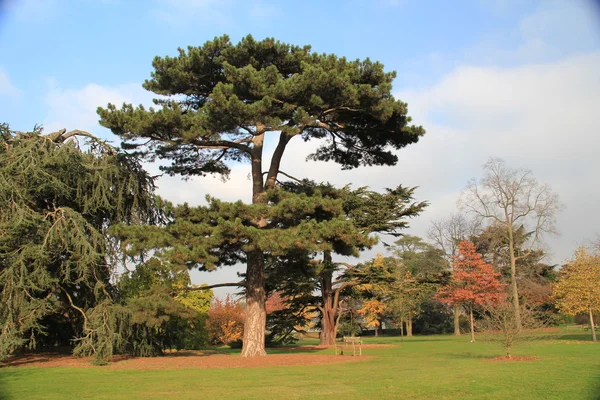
{"type": "Point", "coordinates": [577, 289]}
{"type": "Point", "coordinates": [372, 312]}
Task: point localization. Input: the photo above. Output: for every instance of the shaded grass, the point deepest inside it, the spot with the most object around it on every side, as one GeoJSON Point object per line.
{"type": "Point", "coordinates": [433, 367]}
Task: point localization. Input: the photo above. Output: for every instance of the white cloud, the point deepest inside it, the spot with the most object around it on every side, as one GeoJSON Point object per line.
{"type": "Point", "coordinates": [6, 86]}
{"type": "Point", "coordinates": [539, 116]}
{"type": "Point", "coordinates": [76, 108]}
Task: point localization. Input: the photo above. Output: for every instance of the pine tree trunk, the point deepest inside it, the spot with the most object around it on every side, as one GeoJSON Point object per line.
{"type": "Point", "coordinates": [472, 325]}
{"type": "Point", "coordinates": [456, 320]}
{"type": "Point", "coordinates": [592, 326]}
{"type": "Point", "coordinates": [513, 280]}
{"type": "Point", "coordinates": [328, 325]}
{"type": "Point", "coordinates": [409, 326]}
{"type": "Point", "coordinates": [256, 314]}
{"type": "Point", "coordinates": [256, 298]}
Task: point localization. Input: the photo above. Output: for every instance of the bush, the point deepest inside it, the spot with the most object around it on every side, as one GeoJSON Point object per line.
{"type": "Point", "coordinates": [225, 323]}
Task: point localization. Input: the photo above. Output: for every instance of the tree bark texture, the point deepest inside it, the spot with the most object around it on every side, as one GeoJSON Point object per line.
{"type": "Point", "coordinates": [472, 325]}
{"type": "Point", "coordinates": [409, 328]}
{"type": "Point", "coordinates": [328, 320]}
{"type": "Point", "coordinates": [256, 314]}
{"type": "Point", "coordinates": [456, 312]}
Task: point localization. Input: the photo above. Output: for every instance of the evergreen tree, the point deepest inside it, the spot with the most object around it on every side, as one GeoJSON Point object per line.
{"type": "Point", "coordinates": [427, 267]}
{"type": "Point", "coordinates": [368, 212]}
{"type": "Point", "coordinates": [58, 198]}
{"type": "Point", "coordinates": [222, 102]}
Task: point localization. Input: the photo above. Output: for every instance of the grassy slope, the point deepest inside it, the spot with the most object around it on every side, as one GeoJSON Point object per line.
{"type": "Point", "coordinates": [434, 367]}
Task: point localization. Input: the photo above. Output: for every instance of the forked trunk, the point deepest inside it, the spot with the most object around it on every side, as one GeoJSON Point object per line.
{"type": "Point", "coordinates": [256, 314]}
{"type": "Point", "coordinates": [329, 310]}
{"type": "Point", "coordinates": [592, 326]}
{"type": "Point", "coordinates": [456, 320]}
{"type": "Point", "coordinates": [471, 321]}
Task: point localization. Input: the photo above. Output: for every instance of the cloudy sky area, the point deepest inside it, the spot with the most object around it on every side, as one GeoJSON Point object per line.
{"type": "Point", "coordinates": [517, 79]}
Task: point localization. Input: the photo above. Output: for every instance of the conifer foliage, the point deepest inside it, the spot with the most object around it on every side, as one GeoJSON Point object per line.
{"type": "Point", "coordinates": [57, 201]}
{"type": "Point", "coordinates": [220, 102]}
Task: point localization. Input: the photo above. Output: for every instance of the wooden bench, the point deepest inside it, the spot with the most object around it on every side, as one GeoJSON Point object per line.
{"type": "Point", "coordinates": [573, 327]}
{"type": "Point", "coordinates": [347, 343]}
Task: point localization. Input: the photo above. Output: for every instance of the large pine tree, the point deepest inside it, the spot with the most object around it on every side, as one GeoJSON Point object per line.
{"type": "Point", "coordinates": [220, 101]}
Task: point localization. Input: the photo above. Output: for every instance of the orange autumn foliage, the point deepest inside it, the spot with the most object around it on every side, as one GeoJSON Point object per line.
{"type": "Point", "coordinates": [225, 323]}
{"type": "Point", "coordinates": [473, 281]}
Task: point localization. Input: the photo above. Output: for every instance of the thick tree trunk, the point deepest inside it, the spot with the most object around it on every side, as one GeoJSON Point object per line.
{"type": "Point", "coordinates": [472, 325]}
{"type": "Point", "coordinates": [409, 326]}
{"type": "Point", "coordinates": [328, 311]}
{"type": "Point", "coordinates": [592, 326]}
{"type": "Point", "coordinates": [256, 314]}
{"type": "Point", "coordinates": [513, 280]}
{"type": "Point", "coordinates": [456, 310]}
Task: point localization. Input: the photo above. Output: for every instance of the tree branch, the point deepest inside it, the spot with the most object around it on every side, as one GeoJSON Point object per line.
{"type": "Point", "coordinates": [217, 285]}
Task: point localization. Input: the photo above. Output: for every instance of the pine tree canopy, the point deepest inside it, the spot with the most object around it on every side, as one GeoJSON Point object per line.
{"type": "Point", "coordinates": [218, 100]}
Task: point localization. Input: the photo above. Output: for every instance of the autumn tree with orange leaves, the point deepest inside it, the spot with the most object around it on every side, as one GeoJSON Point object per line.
{"type": "Point", "coordinates": [473, 282]}
{"type": "Point", "coordinates": [578, 287]}
{"type": "Point", "coordinates": [225, 322]}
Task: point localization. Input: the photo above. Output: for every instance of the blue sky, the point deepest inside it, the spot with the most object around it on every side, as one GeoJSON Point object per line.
{"type": "Point", "coordinates": [519, 79]}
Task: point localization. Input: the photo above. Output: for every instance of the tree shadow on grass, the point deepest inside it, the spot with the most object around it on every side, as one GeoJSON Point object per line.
{"type": "Point", "coordinates": [3, 390]}
{"type": "Point", "coordinates": [578, 337]}
{"type": "Point", "coordinates": [10, 374]}
{"type": "Point", "coordinates": [410, 339]}
{"type": "Point", "coordinates": [67, 360]}
{"type": "Point", "coordinates": [468, 355]}
{"type": "Point", "coordinates": [594, 391]}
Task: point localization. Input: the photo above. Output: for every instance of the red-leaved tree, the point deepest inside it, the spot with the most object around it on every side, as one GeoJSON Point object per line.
{"type": "Point", "coordinates": [275, 302]}
{"type": "Point", "coordinates": [473, 282]}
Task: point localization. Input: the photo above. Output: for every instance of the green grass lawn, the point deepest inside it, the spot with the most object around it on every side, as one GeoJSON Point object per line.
{"type": "Point", "coordinates": [422, 367]}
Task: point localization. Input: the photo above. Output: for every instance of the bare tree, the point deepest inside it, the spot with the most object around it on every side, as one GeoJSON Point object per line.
{"type": "Point", "coordinates": [446, 234]}
{"type": "Point", "coordinates": [513, 199]}
{"type": "Point", "coordinates": [499, 319]}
